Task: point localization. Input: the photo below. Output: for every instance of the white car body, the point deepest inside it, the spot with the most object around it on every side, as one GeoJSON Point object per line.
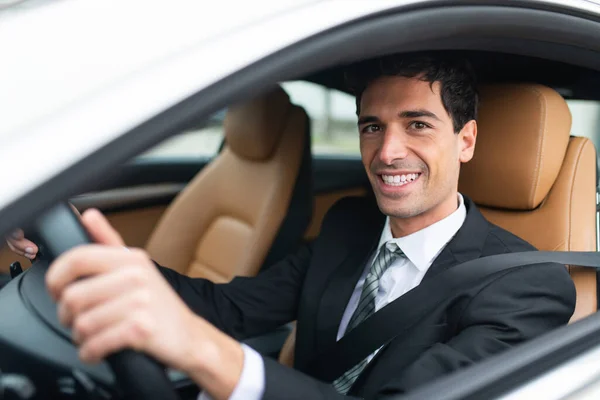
{"type": "Point", "coordinates": [75, 75]}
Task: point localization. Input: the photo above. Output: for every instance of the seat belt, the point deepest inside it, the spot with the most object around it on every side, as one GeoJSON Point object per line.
{"type": "Point", "coordinates": [401, 314]}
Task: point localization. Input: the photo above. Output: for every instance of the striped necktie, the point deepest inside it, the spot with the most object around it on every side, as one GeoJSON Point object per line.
{"type": "Point", "coordinates": [366, 307]}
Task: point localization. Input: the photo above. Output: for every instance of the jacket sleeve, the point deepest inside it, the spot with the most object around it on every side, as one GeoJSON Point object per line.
{"type": "Point", "coordinates": [513, 307]}
{"type": "Point", "coordinates": [247, 307]}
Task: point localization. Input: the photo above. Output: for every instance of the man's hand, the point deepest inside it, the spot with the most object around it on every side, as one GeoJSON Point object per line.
{"type": "Point", "coordinates": [114, 299]}
{"type": "Point", "coordinates": [20, 245]}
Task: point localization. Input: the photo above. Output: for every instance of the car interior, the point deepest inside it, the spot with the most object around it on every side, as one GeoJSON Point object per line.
{"type": "Point", "coordinates": [259, 213]}
{"type": "Point", "coordinates": [263, 193]}
{"type": "Point", "coordinates": [550, 182]}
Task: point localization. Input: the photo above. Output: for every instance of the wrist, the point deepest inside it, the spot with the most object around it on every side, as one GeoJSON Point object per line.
{"type": "Point", "coordinates": [215, 361]}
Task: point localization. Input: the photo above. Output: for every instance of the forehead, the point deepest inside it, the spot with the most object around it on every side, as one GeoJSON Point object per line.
{"type": "Point", "coordinates": [397, 93]}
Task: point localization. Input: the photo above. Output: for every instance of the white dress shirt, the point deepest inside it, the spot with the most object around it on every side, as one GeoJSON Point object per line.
{"type": "Point", "coordinates": [420, 250]}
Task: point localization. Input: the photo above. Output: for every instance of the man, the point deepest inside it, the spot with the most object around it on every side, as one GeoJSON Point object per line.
{"type": "Point", "coordinates": [417, 125]}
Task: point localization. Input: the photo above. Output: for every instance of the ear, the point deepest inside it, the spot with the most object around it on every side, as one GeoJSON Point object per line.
{"type": "Point", "coordinates": [467, 138]}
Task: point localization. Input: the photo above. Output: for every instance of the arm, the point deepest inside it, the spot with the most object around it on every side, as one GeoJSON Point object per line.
{"type": "Point", "coordinates": [247, 307]}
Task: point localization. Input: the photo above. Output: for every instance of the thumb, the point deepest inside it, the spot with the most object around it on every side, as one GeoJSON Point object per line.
{"type": "Point", "coordinates": [100, 229]}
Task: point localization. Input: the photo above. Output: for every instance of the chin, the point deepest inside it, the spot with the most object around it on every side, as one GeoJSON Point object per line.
{"type": "Point", "coordinates": [393, 209]}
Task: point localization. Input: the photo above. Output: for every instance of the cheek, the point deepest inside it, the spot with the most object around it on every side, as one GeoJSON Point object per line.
{"type": "Point", "coordinates": [437, 161]}
{"type": "Point", "coordinates": [368, 150]}
{"type": "Point", "coordinates": [430, 159]}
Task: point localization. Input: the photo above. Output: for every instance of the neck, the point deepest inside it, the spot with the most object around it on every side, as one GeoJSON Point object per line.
{"type": "Point", "coordinates": [406, 226]}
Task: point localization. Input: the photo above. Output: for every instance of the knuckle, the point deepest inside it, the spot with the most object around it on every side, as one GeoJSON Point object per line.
{"type": "Point", "coordinates": [70, 299]}
{"type": "Point", "coordinates": [94, 349]}
{"type": "Point", "coordinates": [137, 276]}
{"type": "Point", "coordinates": [83, 326]}
{"type": "Point", "coordinates": [141, 299]}
{"type": "Point", "coordinates": [139, 254]}
{"type": "Point", "coordinates": [140, 329]}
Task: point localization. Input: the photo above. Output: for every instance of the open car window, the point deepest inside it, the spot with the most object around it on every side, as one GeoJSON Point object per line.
{"type": "Point", "coordinates": [586, 119]}
{"type": "Point", "coordinates": [331, 113]}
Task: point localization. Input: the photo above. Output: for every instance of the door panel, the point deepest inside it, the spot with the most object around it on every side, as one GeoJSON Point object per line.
{"type": "Point", "coordinates": [135, 201]}
{"type": "Point", "coordinates": [158, 170]}
{"type": "Point", "coordinates": [134, 197]}
{"type": "Point", "coordinates": [135, 226]}
{"type": "Point", "coordinates": [7, 257]}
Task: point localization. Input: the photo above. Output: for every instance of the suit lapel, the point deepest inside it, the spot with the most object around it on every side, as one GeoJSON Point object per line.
{"type": "Point", "coordinates": [466, 245]}
{"type": "Point", "coordinates": [362, 242]}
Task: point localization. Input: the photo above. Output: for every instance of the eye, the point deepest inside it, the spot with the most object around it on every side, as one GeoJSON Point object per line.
{"type": "Point", "coordinates": [419, 125]}
{"type": "Point", "coordinates": [371, 128]}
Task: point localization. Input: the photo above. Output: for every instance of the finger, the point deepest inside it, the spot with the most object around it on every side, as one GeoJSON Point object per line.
{"type": "Point", "coordinates": [132, 333]}
{"type": "Point", "coordinates": [87, 261]}
{"type": "Point", "coordinates": [19, 251]}
{"type": "Point", "coordinates": [17, 234]}
{"type": "Point", "coordinates": [88, 293]}
{"type": "Point", "coordinates": [24, 246]}
{"type": "Point", "coordinates": [14, 249]}
{"type": "Point", "coordinates": [100, 229]}
{"type": "Point", "coordinates": [109, 314]}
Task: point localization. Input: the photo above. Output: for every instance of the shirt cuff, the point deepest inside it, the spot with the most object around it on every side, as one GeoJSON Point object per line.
{"type": "Point", "coordinates": [251, 385]}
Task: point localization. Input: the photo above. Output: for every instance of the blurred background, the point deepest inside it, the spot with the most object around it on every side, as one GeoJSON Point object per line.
{"type": "Point", "coordinates": [334, 130]}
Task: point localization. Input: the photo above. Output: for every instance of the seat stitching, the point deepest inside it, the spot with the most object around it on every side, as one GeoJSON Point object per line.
{"type": "Point", "coordinates": [572, 191]}
{"type": "Point", "coordinates": [580, 152]}
{"type": "Point", "coordinates": [541, 131]}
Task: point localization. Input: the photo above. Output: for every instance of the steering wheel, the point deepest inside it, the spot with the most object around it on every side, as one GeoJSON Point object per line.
{"type": "Point", "coordinates": [136, 374]}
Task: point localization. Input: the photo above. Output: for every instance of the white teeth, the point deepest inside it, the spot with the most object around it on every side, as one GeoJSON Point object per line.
{"type": "Point", "coordinates": [399, 180]}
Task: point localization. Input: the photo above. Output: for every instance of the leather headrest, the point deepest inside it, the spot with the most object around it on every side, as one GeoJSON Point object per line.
{"type": "Point", "coordinates": [253, 128]}
{"type": "Point", "coordinates": [523, 133]}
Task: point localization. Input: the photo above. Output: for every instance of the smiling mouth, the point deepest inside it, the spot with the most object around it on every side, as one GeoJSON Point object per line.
{"type": "Point", "coordinates": [399, 180]}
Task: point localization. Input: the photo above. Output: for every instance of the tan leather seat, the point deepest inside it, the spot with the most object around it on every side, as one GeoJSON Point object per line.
{"type": "Point", "coordinates": [530, 177]}
{"type": "Point", "coordinates": [224, 223]}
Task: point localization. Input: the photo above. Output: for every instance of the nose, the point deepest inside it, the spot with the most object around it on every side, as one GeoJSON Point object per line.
{"type": "Point", "coordinates": [394, 146]}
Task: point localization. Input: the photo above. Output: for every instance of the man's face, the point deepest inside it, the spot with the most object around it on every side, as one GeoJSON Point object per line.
{"type": "Point", "coordinates": [409, 148]}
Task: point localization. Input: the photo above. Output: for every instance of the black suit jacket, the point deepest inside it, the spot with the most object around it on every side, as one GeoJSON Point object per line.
{"type": "Point", "coordinates": [314, 286]}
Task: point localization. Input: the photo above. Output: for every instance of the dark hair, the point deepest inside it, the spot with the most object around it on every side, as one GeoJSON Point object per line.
{"type": "Point", "coordinates": [455, 74]}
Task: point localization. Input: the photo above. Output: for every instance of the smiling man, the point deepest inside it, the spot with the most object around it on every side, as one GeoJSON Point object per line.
{"type": "Point", "coordinates": [414, 134]}
{"type": "Point", "coordinates": [417, 125]}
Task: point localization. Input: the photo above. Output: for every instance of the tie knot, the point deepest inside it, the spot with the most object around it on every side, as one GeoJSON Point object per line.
{"type": "Point", "coordinates": [384, 259]}
{"type": "Point", "coordinates": [393, 249]}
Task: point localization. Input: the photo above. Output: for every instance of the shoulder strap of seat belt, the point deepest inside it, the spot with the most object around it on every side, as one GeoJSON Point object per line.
{"type": "Point", "coordinates": [401, 314]}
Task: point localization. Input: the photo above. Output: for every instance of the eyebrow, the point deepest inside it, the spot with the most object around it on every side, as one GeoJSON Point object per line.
{"type": "Point", "coordinates": [404, 114]}
{"type": "Point", "coordinates": [418, 114]}
{"type": "Point", "coordinates": [367, 119]}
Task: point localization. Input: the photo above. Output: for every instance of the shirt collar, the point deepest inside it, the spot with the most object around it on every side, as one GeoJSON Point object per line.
{"type": "Point", "coordinates": [422, 247]}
